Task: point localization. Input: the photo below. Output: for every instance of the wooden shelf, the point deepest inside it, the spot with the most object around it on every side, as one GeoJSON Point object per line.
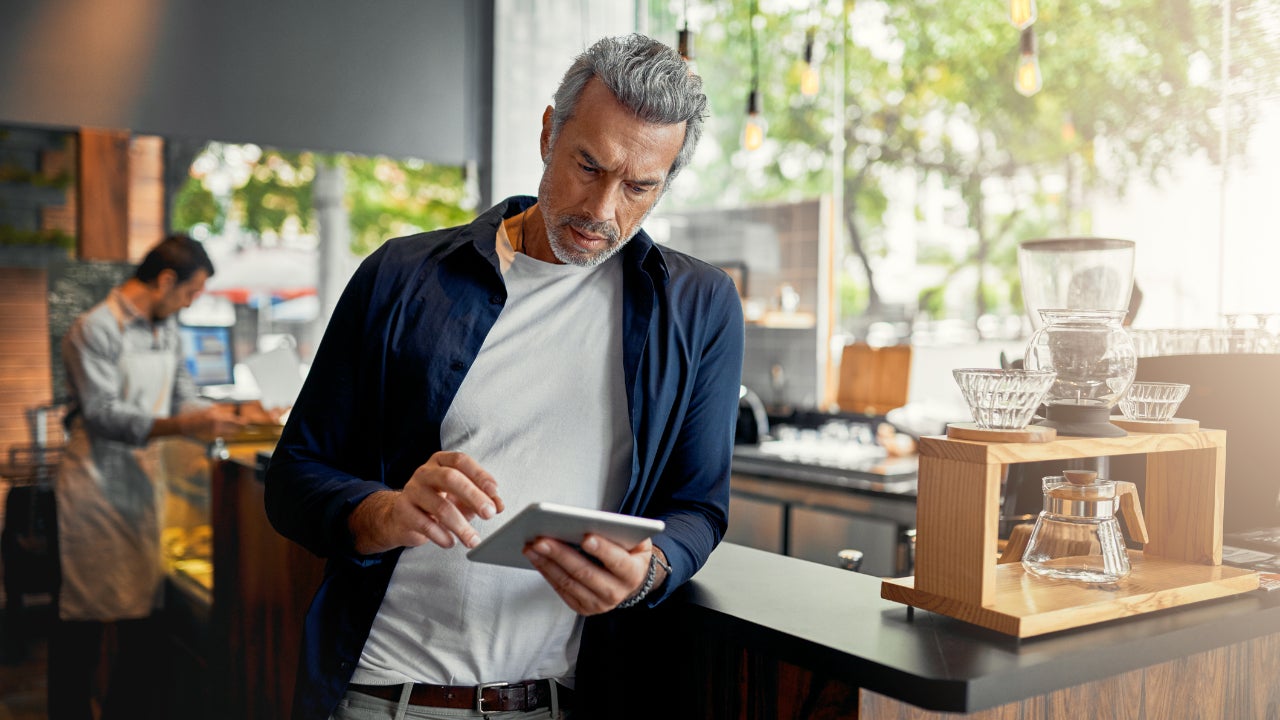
{"type": "Point", "coordinates": [785, 320]}
{"type": "Point", "coordinates": [957, 514]}
{"type": "Point", "coordinates": [972, 431]}
{"type": "Point", "coordinates": [1063, 448]}
{"type": "Point", "coordinates": [1027, 605]}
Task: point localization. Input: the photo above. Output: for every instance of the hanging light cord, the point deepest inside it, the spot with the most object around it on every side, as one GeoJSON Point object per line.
{"type": "Point", "coordinates": [755, 54]}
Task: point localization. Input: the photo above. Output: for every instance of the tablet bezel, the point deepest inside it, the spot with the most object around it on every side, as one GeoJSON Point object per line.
{"type": "Point", "coordinates": [505, 546]}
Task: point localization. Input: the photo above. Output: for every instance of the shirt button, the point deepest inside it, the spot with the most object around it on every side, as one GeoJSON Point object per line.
{"type": "Point", "coordinates": [496, 299]}
{"type": "Point", "coordinates": [458, 365]}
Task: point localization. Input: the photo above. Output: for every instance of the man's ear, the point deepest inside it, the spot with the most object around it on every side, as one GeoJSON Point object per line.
{"type": "Point", "coordinates": [166, 280]}
{"type": "Point", "coordinates": [545, 142]}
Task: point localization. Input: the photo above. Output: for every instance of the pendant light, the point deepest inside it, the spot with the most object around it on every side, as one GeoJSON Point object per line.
{"type": "Point", "coordinates": [684, 41]}
{"type": "Point", "coordinates": [753, 131]}
{"type": "Point", "coordinates": [809, 75]}
{"type": "Point", "coordinates": [1022, 13]}
{"type": "Point", "coordinates": [1027, 79]}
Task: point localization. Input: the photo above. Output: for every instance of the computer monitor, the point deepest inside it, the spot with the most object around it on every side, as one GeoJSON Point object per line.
{"type": "Point", "coordinates": [206, 351]}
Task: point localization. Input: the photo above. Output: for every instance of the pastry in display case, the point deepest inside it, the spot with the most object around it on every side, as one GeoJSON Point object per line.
{"type": "Point", "coordinates": [186, 535]}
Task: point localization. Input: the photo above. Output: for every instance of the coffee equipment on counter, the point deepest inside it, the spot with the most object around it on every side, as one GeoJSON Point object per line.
{"type": "Point", "coordinates": [1064, 274]}
{"type": "Point", "coordinates": [1075, 274]}
{"type": "Point", "coordinates": [1077, 291]}
{"type": "Point", "coordinates": [1076, 536]}
{"type": "Point", "coordinates": [1095, 362]}
{"type": "Point", "coordinates": [961, 573]}
{"type": "Point", "coordinates": [753, 421]}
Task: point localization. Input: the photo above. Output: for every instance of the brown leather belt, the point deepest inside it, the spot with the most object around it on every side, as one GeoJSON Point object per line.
{"type": "Point", "coordinates": [486, 698]}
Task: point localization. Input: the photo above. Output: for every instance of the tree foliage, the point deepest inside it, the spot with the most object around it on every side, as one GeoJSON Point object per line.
{"type": "Point", "coordinates": [1130, 88]}
{"type": "Point", "coordinates": [269, 194]}
{"type": "Point", "coordinates": [388, 198]}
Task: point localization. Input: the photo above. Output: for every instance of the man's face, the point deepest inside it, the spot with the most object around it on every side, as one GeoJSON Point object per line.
{"type": "Point", "coordinates": [602, 176]}
{"type": "Point", "coordinates": [173, 296]}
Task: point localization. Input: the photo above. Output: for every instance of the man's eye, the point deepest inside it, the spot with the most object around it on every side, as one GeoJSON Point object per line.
{"type": "Point", "coordinates": [588, 169]}
{"type": "Point", "coordinates": [637, 189]}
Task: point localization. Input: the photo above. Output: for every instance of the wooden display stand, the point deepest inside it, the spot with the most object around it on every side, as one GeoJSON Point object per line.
{"type": "Point", "coordinates": [956, 521]}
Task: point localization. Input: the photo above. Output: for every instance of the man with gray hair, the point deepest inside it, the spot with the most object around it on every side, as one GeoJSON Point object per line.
{"type": "Point", "coordinates": [547, 351]}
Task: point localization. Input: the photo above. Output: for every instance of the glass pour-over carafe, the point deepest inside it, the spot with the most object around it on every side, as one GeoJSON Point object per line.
{"type": "Point", "coordinates": [1076, 536]}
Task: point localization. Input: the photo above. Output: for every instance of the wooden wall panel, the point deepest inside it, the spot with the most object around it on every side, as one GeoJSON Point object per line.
{"type": "Point", "coordinates": [103, 196]}
{"type": "Point", "coordinates": [25, 378]}
{"type": "Point", "coordinates": [146, 195]}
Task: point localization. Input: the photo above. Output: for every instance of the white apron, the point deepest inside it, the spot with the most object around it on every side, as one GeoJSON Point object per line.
{"type": "Point", "coordinates": [110, 498]}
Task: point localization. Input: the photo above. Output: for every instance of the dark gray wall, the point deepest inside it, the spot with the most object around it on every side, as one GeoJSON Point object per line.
{"type": "Point", "coordinates": [407, 78]}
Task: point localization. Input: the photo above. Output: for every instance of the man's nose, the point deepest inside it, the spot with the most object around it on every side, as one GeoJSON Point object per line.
{"type": "Point", "coordinates": [602, 202]}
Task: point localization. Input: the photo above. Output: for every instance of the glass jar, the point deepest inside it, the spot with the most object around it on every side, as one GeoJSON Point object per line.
{"type": "Point", "coordinates": [1076, 536]}
{"type": "Point", "coordinates": [1095, 360]}
{"type": "Point", "coordinates": [1081, 272]}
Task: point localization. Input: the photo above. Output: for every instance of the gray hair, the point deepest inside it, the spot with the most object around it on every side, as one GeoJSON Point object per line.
{"type": "Point", "coordinates": [647, 77]}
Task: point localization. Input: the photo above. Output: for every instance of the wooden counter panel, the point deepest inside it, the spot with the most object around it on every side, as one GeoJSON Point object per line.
{"type": "Point", "coordinates": [262, 586]}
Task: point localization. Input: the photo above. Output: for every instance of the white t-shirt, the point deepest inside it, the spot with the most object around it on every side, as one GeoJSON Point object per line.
{"type": "Point", "coordinates": [544, 409]}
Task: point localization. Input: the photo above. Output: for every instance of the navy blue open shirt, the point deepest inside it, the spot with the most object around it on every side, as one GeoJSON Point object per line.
{"type": "Point", "coordinates": [403, 336]}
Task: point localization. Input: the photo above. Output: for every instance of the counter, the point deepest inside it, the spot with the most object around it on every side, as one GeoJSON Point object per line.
{"type": "Point", "coordinates": [761, 635]}
{"type": "Point", "coordinates": [779, 638]}
{"type": "Point", "coordinates": [236, 591]}
{"type": "Point", "coordinates": [263, 584]}
{"type": "Point", "coordinates": [787, 501]}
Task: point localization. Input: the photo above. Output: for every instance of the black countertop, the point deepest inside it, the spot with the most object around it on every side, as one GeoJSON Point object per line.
{"type": "Point", "coordinates": [819, 616]}
{"type": "Point", "coordinates": [832, 450]}
{"type": "Point", "coordinates": [875, 475]}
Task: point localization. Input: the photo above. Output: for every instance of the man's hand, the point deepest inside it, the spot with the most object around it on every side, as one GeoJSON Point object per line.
{"type": "Point", "coordinates": [253, 412]}
{"type": "Point", "coordinates": [210, 422]}
{"type": "Point", "coordinates": [436, 505]}
{"type": "Point", "coordinates": [585, 586]}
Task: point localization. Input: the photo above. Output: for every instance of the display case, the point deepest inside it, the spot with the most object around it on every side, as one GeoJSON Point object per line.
{"type": "Point", "coordinates": [185, 468]}
{"type": "Point", "coordinates": [188, 470]}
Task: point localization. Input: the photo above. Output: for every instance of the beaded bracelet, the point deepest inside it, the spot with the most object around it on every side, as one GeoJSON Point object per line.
{"type": "Point", "coordinates": [649, 579]}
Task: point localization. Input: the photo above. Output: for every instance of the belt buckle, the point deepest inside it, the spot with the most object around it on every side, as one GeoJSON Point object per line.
{"type": "Point", "coordinates": [480, 696]}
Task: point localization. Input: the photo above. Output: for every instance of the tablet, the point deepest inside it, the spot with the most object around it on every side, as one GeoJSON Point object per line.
{"type": "Point", "coordinates": [562, 522]}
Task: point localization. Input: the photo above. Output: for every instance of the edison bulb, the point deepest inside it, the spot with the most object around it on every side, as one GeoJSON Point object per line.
{"type": "Point", "coordinates": [809, 80]}
{"type": "Point", "coordinates": [1027, 80]}
{"type": "Point", "coordinates": [753, 132]}
{"type": "Point", "coordinates": [1022, 13]}
{"type": "Point", "coordinates": [809, 75]}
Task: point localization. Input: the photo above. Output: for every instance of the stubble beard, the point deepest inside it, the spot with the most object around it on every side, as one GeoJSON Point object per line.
{"type": "Point", "coordinates": [557, 228]}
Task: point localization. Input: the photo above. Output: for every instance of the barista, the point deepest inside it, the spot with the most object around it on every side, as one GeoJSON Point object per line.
{"type": "Point", "coordinates": [127, 386]}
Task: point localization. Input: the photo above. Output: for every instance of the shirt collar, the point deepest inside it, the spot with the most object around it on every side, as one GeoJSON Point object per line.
{"type": "Point", "coordinates": [640, 253]}
{"type": "Point", "coordinates": [125, 311]}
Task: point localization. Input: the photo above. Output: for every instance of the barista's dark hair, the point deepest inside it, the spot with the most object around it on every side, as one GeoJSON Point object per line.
{"type": "Point", "coordinates": [178, 253]}
{"type": "Point", "coordinates": [649, 78]}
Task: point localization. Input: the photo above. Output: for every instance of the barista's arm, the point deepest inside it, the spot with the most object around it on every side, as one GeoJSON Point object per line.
{"type": "Point", "coordinates": [204, 423]}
